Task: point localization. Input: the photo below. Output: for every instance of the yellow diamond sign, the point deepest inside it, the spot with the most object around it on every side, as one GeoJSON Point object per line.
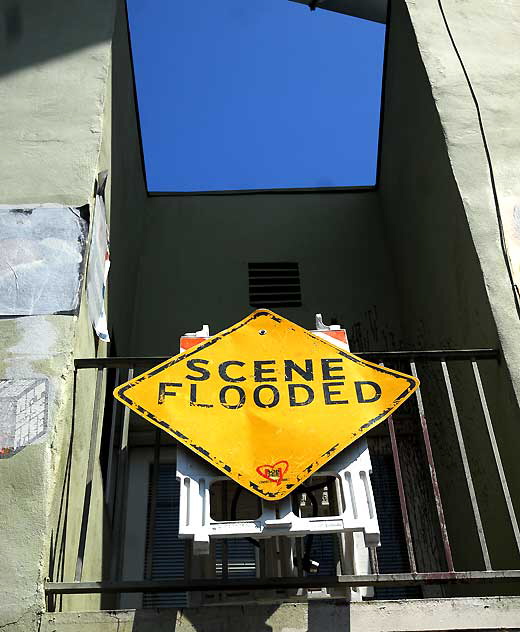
{"type": "Point", "coordinates": [266, 402]}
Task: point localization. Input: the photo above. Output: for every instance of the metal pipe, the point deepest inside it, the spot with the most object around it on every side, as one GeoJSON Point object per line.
{"type": "Point", "coordinates": [90, 473]}
{"type": "Point", "coordinates": [118, 534]}
{"type": "Point", "coordinates": [467, 470]}
{"type": "Point", "coordinates": [496, 452]}
{"type": "Point", "coordinates": [402, 498]}
{"type": "Point", "coordinates": [433, 475]}
{"type": "Point", "coordinates": [108, 486]}
{"type": "Point", "coordinates": [153, 503]}
{"type": "Point", "coordinates": [254, 583]}
{"type": "Point", "coordinates": [435, 354]}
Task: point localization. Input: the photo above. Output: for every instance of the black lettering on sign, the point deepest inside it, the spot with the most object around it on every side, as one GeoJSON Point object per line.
{"type": "Point", "coordinates": [292, 394]}
{"type": "Point", "coordinates": [193, 398]}
{"type": "Point", "coordinates": [241, 397]}
{"type": "Point", "coordinates": [362, 397]}
{"type": "Point", "coordinates": [258, 401]}
{"type": "Point", "coordinates": [260, 371]}
{"type": "Point", "coordinates": [291, 366]}
{"type": "Point", "coordinates": [222, 371]}
{"type": "Point", "coordinates": [204, 373]}
{"type": "Point", "coordinates": [328, 369]}
{"type": "Point", "coordinates": [164, 393]}
{"type": "Point", "coordinates": [327, 393]}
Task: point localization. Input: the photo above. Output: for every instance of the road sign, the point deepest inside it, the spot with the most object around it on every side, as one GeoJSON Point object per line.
{"type": "Point", "coordinates": [266, 401]}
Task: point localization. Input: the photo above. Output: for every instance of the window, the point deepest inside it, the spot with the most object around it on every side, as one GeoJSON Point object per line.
{"type": "Point", "coordinates": [256, 94]}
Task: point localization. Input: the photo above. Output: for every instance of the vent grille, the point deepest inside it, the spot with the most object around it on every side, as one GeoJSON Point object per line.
{"type": "Point", "coordinates": [391, 555]}
{"type": "Point", "coordinates": [168, 549]}
{"type": "Point", "coordinates": [274, 285]}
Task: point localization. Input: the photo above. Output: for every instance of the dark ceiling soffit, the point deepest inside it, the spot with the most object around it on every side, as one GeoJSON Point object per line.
{"type": "Point", "coordinates": [374, 10]}
{"type": "Point", "coordinates": [352, 189]}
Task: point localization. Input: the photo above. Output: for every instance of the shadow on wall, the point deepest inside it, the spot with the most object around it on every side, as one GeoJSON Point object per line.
{"type": "Point", "coordinates": [314, 616]}
{"type": "Point", "coordinates": [33, 32]}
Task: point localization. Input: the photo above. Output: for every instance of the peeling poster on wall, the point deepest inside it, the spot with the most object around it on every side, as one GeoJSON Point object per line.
{"type": "Point", "coordinates": [97, 272]}
{"type": "Point", "coordinates": [41, 258]}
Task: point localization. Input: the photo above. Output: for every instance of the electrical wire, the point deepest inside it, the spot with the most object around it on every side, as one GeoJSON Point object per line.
{"type": "Point", "coordinates": [503, 242]}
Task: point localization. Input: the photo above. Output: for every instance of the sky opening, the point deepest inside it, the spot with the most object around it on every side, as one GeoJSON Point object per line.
{"type": "Point", "coordinates": [255, 94]}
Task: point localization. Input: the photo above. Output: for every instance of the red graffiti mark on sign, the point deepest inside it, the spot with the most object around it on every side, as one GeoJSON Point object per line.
{"type": "Point", "coordinates": [274, 472]}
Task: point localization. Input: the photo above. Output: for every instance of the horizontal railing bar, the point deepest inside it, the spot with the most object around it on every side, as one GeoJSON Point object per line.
{"type": "Point", "coordinates": [431, 354]}
{"type": "Point", "coordinates": [447, 354]}
{"type": "Point", "coordinates": [180, 585]}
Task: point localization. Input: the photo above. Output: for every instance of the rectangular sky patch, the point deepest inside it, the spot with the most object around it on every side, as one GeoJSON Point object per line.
{"type": "Point", "coordinates": [262, 94]}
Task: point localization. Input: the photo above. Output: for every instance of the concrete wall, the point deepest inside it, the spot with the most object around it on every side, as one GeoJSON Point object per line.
{"type": "Point", "coordinates": [129, 208]}
{"type": "Point", "coordinates": [383, 616]}
{"type": "Point", "coordinates": [53, 83]}
{"type": "Point", "coordinates": [52, 88]}
{"type": "Point", "coordinates": [196, 250]}
{"type": "Point", "coordinates": [179, 261]}
{"type": "Point", "coordinates": [485, 38]}
{"type": "Point", "coordinates": [416, 265]}
{"type": "Point", "coordinates": [442, 233]}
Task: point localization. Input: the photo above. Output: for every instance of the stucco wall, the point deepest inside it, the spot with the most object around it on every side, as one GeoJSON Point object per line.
{"type": "Point", "coordinates": [52, 88]}
{"type": "Point", "coordinates": [53, 81]}
{"type": "Point", "coordinates": [486, 36]}
{"type": "Point", "coordinates": [129, 204]}
{"type": "Point", "coordinates": [442, 232]}
{"type": "Point", "coordinates": [379, 616]}
{"type": "Point", "coordinates": [196, 250]}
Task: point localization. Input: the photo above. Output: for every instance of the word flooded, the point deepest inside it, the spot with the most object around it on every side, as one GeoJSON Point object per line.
{"type": "Point", "coordinates": [267, 383]}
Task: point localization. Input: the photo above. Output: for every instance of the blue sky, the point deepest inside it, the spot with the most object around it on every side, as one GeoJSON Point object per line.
{"type": "Point", "coordinates": [255, 94]}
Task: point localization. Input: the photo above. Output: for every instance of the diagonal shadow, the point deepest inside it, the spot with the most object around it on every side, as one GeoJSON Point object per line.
{"type": "Point", "coordinates": [34, 32]}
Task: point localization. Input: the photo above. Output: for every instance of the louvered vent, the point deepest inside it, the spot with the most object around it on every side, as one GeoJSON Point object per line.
{"type": "Point", "coordinates": [391, 555]}
{"type": "Point", "coordinates": [168, 549]}
{"type": "Point", "coordinates": [274, 285]}
{"type": "Point", "coordinates": [241, 558]}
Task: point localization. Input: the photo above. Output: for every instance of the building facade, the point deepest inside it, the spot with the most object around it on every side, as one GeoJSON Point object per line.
{"type": "Point", "coordinates": [424, 262]}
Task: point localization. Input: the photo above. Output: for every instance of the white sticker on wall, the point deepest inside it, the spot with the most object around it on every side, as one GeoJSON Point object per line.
{"type": "Point", "coordinates": [23, 413]}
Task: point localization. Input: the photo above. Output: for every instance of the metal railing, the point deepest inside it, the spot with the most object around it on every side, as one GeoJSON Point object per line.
{"type": "Point", "coordinates": [434, 368]}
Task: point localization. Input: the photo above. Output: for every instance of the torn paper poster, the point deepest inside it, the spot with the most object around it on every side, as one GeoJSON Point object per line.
{"type": "Point", "coordinates": [23, 413]}
{"type": "Point", "coordinates": [97, 272]}
{"type": "Point", "coordinates": [41, 258]}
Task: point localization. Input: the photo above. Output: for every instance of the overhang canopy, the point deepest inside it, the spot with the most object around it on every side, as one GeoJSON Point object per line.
{"type": "Point", "coordinates": [374, 10]}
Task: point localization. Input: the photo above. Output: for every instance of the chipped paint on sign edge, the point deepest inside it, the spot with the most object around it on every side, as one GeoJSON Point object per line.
{"type": "Point", "coordinates": [119, 394]}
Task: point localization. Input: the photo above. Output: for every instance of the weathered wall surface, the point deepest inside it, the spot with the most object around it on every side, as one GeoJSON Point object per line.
{"type": "Point", "coordinates": [442, 227]}
{"type": "Point", "coordinates": [380, 616]}
{"type": "Point", "coordinates": [486, 37]}
{"type": "Point", "coordinates": [34, 346]}
{"type": "Point", "coordinates": [194, 264]}
{"type": "Point", "coordinates": [53, 72]}
{"type": "Point", "coordinates": [129, 202]}
{"type": "Point", "coordinates": [53, 80]}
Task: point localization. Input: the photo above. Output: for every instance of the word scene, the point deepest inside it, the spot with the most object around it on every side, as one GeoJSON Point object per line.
{"type": "Point", "coordinates": [327, 382]}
